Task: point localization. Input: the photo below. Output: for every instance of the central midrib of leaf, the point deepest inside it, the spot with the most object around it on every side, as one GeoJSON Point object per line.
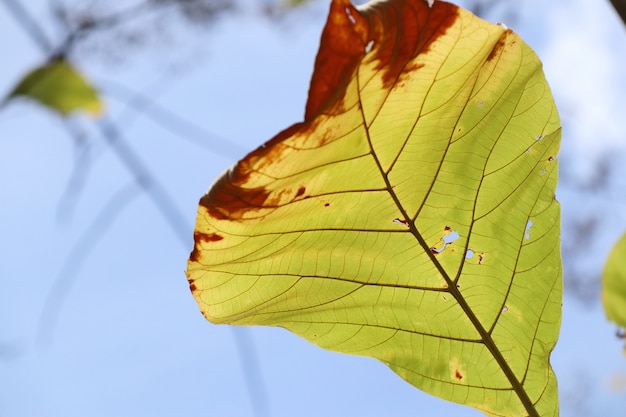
{"type": "Point", "coordinates": [452, 289]}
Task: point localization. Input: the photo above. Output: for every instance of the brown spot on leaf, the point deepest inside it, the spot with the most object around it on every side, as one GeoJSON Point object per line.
{"type": "Point", "coordinates": [447, 228]}
{"type": "Point", "coordinates": [231, 198]}
{"type": "Point", "coordinates": [192, 285]}
{"type": "Point", "coordinates": [434, 251]}
{"type": "Point", "coordinates": [327, 204]}
{"type": "Point", "coordinates": [499, 45]}
{"type": "Point", "coordinates": [341, 49]}
{"type": "Point", "coordinates": [202, 237]}
{"type": "Point", "coordinates": [401, 30]}
{"type": "Point", "coordinates": [458, 375]}
{"type": "Point", "coordinates": [226, 200]}
{"type": "Point", "coordinates": [195, 254]}
{"type": "Point", "coordinates": [405, 29]}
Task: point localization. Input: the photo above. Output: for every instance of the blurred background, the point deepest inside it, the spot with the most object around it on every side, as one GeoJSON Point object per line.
{"type": "Point", "coordinates": [97, 215]}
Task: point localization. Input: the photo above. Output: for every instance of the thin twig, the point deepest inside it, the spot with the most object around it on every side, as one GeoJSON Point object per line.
{"type": "Point", "coordinates": [123, 16]}
{"type": "Point", "coordinates": [89, 26]}
{"type": "Point", "coordinates": [146, 180]}
{"type": "Point", "coordinates": [108, 21]}
{"type": "Point", "coordinates": [88, 240]}
{"type": "Point", "coordinates": [76, 183]}
{"type": "Point", "coordinates": [29, 24]}
{"type": "Point", "coordinates": [169, 120]}
{"type": "Point", "coordinates": [59, 12]}
{"type": "Point", "coordinates": [251, 371]}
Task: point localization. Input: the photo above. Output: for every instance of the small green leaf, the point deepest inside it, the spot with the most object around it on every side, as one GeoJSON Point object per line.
{"type": "Point", "coordinates": [60, 87]}
{"type": "Point", "coordinates": [614, 284]}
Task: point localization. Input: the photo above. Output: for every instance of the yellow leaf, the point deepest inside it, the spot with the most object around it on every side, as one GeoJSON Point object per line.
{"type": "Point", "coordinates": [411, 216]}
{"type": "Point", "coordinates": [614, 284]}
{"type": "Point", "coordinates": [60, 87]}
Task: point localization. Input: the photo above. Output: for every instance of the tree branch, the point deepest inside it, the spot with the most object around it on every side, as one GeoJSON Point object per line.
{"type": "Point", "coordinates": [82, 248]}
{"type": "Point", "coordinates": [620, 8]}
{"type": "Point", "coordinates": [32, 28]}
{"type": "Point", "coordinates": [145, 104]}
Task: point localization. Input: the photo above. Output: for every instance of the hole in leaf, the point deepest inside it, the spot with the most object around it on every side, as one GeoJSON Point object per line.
{"type": "Point", "coordinates": [350, 17]}
{"type": "Point", "coordinates": [447, 239]}
{"type": "Point", "coordinates": [529, 224]}
{"type": "Point", "coordinates": [369, 46]}
{"type": "Point", "coordinates": [401, 221]}
{"type": "Point", "coordinates": [505, 309]}
{"type": "Point", "coordinates": [469, 254]}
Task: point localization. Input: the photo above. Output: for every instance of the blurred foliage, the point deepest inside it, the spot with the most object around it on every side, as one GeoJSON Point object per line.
{"type": "Point", "coordinates": [614, 284]}
{"type": "Point", "coordinates": [58, 86]}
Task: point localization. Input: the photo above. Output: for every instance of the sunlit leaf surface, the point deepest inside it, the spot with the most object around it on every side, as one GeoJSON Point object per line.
{"type": "Point", "coordinates": [614, 284]}
{"type": "Point", "coordinates": [60, 87]}
{"type": "Point", "coordinates": [411, 216]}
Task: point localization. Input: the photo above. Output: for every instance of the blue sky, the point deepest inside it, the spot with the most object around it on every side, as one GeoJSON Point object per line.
{"type": "Point", "coordinates": [130, 340]}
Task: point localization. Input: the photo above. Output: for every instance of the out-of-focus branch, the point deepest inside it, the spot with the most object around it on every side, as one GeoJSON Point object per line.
{"type": "Point", "coordinates": [88, 25]}
{"type": "Point", "coordinates": [31, 26]}
{"type": "Point", "coordinates": [78, 178]}
{"type": "Point", "coordinates": [82, 248]}
{"type": "Point", "coordinates": [620, 8]}
{"type": "Point", "coordinates": [183, 128]}
{"type": "Point", "coordinates": [146, 180]}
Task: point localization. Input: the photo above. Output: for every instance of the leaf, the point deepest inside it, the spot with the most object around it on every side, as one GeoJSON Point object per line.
{"type": "Point", "coordinates": [411, 216]}
{"type": "Point", "coordinates": [614, 284]}
{"type": "Point", "coordinates": [60, 87]}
